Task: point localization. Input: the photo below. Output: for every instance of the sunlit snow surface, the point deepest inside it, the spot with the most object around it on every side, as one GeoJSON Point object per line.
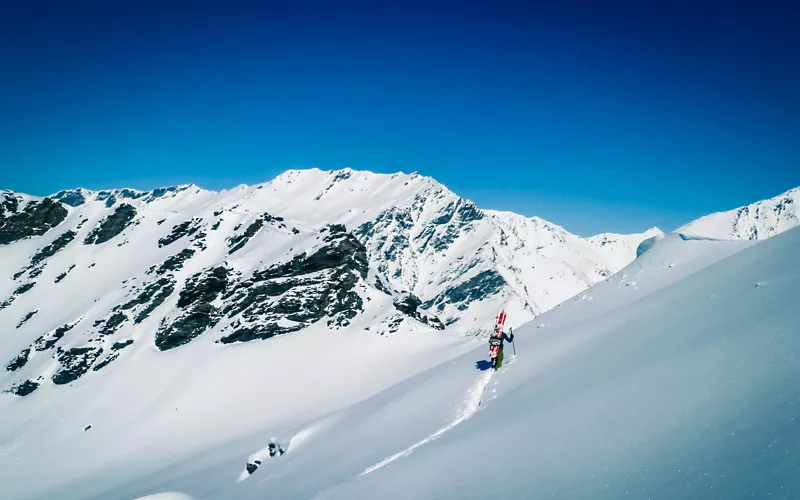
{"type": "Point", "coordinates": [677, 378]}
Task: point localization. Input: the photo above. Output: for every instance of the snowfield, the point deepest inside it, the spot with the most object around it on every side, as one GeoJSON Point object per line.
{"type": "Point", "coordinates": [162, 373]}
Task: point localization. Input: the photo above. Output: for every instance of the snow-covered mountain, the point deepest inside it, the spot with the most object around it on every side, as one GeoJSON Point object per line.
{"type": "Point", "coordinates": [135, 326]}
{"type": "Point", "coordinates": [756, 221]}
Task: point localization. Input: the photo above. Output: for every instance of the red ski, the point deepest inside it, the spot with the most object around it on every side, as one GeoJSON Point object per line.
{"type": "Point", "coordinates": [496, 339]}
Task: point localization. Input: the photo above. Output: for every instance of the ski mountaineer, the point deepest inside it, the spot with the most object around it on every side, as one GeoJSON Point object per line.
{"type": "Point", "coordinates": [497, 339]}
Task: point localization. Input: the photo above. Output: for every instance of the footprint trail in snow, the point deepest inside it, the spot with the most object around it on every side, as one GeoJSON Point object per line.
{"type": "Point", "coordinates": [471, 404]}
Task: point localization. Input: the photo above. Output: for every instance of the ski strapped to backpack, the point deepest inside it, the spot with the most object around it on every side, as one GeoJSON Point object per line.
{"type": "Point", "coordinates": [496, 340]}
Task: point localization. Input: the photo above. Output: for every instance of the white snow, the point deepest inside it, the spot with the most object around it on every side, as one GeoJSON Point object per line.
{"type": "Point", "coordinates": [756, 221]}
{"type": "Point", "coordinates": [673, 378]}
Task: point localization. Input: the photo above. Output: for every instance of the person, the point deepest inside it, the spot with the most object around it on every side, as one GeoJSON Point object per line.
{"type": "Point", "coordinates": [498, 360]}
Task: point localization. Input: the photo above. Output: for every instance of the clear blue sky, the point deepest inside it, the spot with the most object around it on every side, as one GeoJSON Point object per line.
{"type": "Point", "coordinates": [599, 116]}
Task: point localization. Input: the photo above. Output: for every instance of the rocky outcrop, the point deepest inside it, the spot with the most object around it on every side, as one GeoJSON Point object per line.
{"type": "Point", "coordinates": [288, 297]}
{"type": "Point", "coordinates": [112, 225]}
{"type": "Point", "coordinates": [63, 275]}
{"type": "Point", "coordinates": [35, 219]}
{"type": "Point", "coordinates": [483, 284]}
{"type": "Point", "coordinates": [238, 241]}
{"type": "Point", "coordinates": [75, 363]}
{"type": "Point", "coordinates": [409, 304]}
{"type": "Point", "coordinates": [23, 388]}
{"type": "Point", "coordinates": [26, 318]}
{"type": "Point", "coordinates": [50, 339]}
{"type": "Point", "coordinates": [20, 361]}
{"type": "Point", "coordinates": [56, 246]}
{"type": "Point", "coordinates": [19, 291]}
{"type": "Point", "coordinates": [175, 262]}
{"type": "Point", "coordinates": [153, 295]}
{"type": "Point", "coordinates": [198, 314]}
{"type": "Point", "coordinates": [186, 228]}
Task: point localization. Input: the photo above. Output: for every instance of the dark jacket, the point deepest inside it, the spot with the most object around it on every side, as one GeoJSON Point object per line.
{"type": "Point", "coordinates": [503, 338]}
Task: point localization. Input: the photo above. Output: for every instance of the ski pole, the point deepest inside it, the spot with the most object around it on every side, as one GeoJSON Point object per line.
{"type": "Point", "coordinates": [513, 346]}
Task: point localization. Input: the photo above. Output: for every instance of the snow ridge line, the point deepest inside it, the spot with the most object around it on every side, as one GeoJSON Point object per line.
{"type": "Point", "coordinates": [471, 404]}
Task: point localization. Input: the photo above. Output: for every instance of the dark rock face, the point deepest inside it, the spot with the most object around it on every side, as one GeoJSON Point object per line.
{"type": "Point", "coordinates": [64, 274]}
{"type": "Point", "coordinates": [408, 305]}
{"type": "Point", "coordinates": [24, 388]}
{"type": "Point", "coordinates": [175, 262]}
{"type": "Point", "coordinates": [27, 318]}
{"type": "Point", "coordinates": [189, 325]}
{"type": "Point", "coordinates": [72, 197]}
{"type": "Point", "coordinates": [53, 248]}
{"type": "Point", "coordinates": [237, 241]}
{"type": "Point", "coordinates": [20, 361]}
{"type": "Point", "coordinates": [112, 323]}
{"type": "Point", "coordinates": [106, 361]}
{"type": "Point", "coordinates": [121, 345]}
{"type": "Point", "coordinates": [38, 261]}
{"type": "Point", "coordinates": [186, 228]}
{"type": "Point", "coordinates": [204, 286]}
{"type": "Point", "coordinates": [303, 291]}
{"type": "Point", "coordinates": [75, 363]}
{"type": "Point", "coordinates": [35, 219]}
{"type": "Point", "coordinates": [154, 294]}
{"type": "Point", "coordinates": [49, 340]}
{"type": "Point", "coordinates": [481, 285]}
{"type": "Point", "coordinates": [19, 291]}
{"type": "Point", "coordinates": [198, 314]}
{"type": "Point", "coordinates": [112, 225]}
{"type": "Point", "coordinates": [24, 288]}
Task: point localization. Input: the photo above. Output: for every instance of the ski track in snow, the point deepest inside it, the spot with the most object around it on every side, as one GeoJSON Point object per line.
{"type": "Point", "coordinates": [471, 404]}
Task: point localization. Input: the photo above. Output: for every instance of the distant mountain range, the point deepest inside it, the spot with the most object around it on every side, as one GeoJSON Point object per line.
{"type": "Point", "coordinates": [85, 275]}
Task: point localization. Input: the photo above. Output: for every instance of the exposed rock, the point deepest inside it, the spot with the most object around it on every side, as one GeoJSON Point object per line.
{"type": "Point", "coordinates": [237, 241]}
{"type": "Point", "coordinates": [19, 291]}
{"type": "Point", "coordinates": [154, 294]}
{"type": "Point", "coordinates": [113, 323]}
{"type": "Point", "coordinates": [50, 339]}
{"type": "Point", "coordinates": [481, 285]}
{"type": "Point", "coordinates": [409, 303]}
{"type": "Point", "coordinates": [72, 197]}
{"type": "Point", "coordinates": [24, 388]}
{"type": "Point", "coordinates": [106, 361]}
{"type": "Point", "coordinates": [27, 317]}
{"type": "Point", "coordinates": [175, 262]}
{"type": "Point", "coordinates": [204, 286]}
{"type": "Point", "coordinates": [199, 315]}
{"type": "Point", "coordinates": [288, 297]}
{"type": "Point", "coordinates": [189, 325]}
{"type": "Point", "coordinates": [35, 219]}
{"type": "Point", "coordinates": [121, 345]}
{"type": "Point", "coordinates": [75, 363]}
{"type": "Point", "coordinates": [64, 274]}
{"type": "Point", "coordinates": [57, 245]}
{"type": "Point", "coordinates": [112, 225]}
{"type": "Point", "coordinates": [20, 361]}
{"type": "Point", "coordinates": [186, 228]}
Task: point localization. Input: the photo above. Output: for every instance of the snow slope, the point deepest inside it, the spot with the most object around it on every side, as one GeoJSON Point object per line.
{"type": "Point", "coordinates": [129, 317]}
{"type": "Point", "coordinates": [674, 379]}
{"type": "Point", "coordinates": [756, 221]}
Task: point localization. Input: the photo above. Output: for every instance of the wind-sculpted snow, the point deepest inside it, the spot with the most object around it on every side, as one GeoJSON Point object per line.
{"type": "Point", "coordinates": [756, 221]}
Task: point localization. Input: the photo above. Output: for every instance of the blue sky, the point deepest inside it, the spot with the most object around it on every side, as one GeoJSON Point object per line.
{"type": "Point", "coordinates": [599, 116]}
